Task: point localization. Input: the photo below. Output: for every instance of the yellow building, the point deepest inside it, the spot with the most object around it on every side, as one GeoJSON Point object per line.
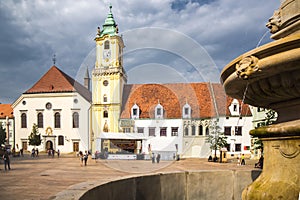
{"type": "Point", "coordinates": [108, 79]}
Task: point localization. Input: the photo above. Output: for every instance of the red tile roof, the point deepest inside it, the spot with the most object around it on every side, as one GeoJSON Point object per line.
{"type": "Point", "coordinates": [6, 110]}
{"type": "Point", "coordinates": [200, 96]}
{"type": "Point", "coordinates": [55, 81]}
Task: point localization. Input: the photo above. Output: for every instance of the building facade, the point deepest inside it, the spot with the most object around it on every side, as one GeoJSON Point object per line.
{"type": "Point", "coordinates": [7, 122]}
{"type": "Point", "coordinates": [60, 107]}
{"type": "Point", "coordinates": [169, 119]}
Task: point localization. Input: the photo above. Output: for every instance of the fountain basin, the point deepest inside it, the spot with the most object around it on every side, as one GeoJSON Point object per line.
{"type": "Point", "coordinates": [221, 185]}
{"type": "Point", "coordinates": [268, 76]}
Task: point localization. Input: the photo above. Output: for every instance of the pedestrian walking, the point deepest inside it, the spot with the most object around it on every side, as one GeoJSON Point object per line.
{"type": "Point", "coordinates": [85, 157]}
{"type": "Point", "coordinates": [58, 153]}
{"type": "Point", "coordinates": [81, 158]}
{"type": "Point", "coordinates": [37, 152]}
{"type": "Point", "coordinates": [243, 159]}
{"type": "Point", "coordinates": [158, 158]}
{"type": "Point", "coordinates": [6, 160]}
{"type": "Point", "coordinates": [153, 158]}
{"type": "Point", "coordinates": [33, 153]}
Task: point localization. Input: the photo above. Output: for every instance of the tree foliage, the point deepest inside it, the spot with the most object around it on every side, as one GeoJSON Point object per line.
{"type": "Point", "coordinates": [270, 117]}
{"type": "Point", "coordinates": [216, 137]}
{"type": "Point", "coordinates": [34, 137]}
{"type": "Point", "coordinates": [2, 134]}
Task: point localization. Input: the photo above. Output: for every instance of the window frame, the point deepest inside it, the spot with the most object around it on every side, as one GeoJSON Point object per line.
{"type": "Point", "coordinates": [227, 130]}
{"type": "Point", "coordinates": [57, 120]}
{"type": "Point", "coordinates": [23, 120]}
{"type": "Point", "coordinates": [61, 141]}
{"type": "Point", "coordinates": [151, 131]}
{"type": "Point", "coordinates": [174, 131]}
{"type": "Point", "coordinates": [75, 120]}
{"type": "Point", "coordinates": [163, 131]}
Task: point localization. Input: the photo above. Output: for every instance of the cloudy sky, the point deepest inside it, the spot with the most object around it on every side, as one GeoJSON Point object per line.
{"type": "Point", "coordinates": [166, 41]}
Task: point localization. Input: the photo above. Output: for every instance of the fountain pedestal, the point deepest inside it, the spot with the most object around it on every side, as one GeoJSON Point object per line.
{"type": "Point", "coordinates": [269, 77]}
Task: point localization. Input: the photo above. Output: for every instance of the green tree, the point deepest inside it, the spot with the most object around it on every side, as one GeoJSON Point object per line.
{"type": "Point", "coordinates": [34, 137]}
{"type": "Point", "coordinates": [2, 134]}
{"type": "Point", "coordinates": [270, 118]}
{"type": "Point", "coordinates": [216, 138]}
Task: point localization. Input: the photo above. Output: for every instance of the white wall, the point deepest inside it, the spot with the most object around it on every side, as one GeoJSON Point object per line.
{"type": "Point", "coordinates": [62, 102]}
{"type": "Point", "coordinates": [157, 142]}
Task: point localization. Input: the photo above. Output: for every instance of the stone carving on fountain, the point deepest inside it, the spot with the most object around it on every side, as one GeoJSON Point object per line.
{"type": "Point", "coordinates": [269, 77]}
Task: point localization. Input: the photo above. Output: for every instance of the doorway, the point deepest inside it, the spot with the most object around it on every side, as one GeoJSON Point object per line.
{"type": "Point", "coordinates": [75, 146]}
{"type": "Point", "coordinates": [49, 145]}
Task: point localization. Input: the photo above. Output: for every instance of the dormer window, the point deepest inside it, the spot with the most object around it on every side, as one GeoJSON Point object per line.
{"type": "Point", "coordinates": [135, 112]}
{"type": "Point", "coordinates": [186, 111]}
{"type": "Point", "coordinates": [159, 111]}
{"type": "Point", "coordinates": [234, 108]}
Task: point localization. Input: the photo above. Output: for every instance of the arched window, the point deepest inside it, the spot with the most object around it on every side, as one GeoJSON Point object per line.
{"type": "Point", "coordinates": [57, 120]}
{"type": "Point", "coordinates": [186, 131]}
{"type": "Point", "coordinates": [193, 130]}
{"type": "Point", "coordinates": [104, 98]}
{"type": "Point", "coordinates": [75, 120]}
{"type": "Point", "coordinates": [200, 130]}
{"type": "Point", "coordinates": [106, 44]}
{"type": "Point", "coordinates": [40, 120]}
{"type": "Point", "coordinates": [60, 140]}
{"type": "Point", "coordinates": [207, 131]}
{"type": "Point", "coordinates": [105, 114]}
{"type": "Point", "coordinates": [23, 120]}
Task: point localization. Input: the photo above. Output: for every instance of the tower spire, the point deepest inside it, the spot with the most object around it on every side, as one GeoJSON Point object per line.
{"type": "Point", "coordinates": [109, 27]}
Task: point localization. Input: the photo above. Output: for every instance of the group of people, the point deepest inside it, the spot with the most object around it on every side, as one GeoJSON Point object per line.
{"type": "Point", "coordinates": [83, 157]}
{"type": "Point", "coordinates": [34, 152]}
{"type": "Point", "coordinates": [157, 157]}
{"type": "Point", "coordinates": [51, 152]}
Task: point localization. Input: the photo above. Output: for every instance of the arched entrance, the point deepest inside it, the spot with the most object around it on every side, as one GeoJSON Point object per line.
{"type": "Point", "coordinates": [49, 145]}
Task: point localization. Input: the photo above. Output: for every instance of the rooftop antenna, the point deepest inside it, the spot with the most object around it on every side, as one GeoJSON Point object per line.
{"type": "Point", "coordinates": [54, 59]}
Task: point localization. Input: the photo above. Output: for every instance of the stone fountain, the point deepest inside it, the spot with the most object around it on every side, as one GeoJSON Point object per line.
{"type": "Point", "coordinates": [269, 77]}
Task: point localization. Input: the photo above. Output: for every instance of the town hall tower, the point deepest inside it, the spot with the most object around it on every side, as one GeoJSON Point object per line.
{"type": "Point", "coordinates": [108, 79]}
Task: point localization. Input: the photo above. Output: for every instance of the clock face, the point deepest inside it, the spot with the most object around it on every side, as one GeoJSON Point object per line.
{"type": "Point", "coordinates": [106, 54]}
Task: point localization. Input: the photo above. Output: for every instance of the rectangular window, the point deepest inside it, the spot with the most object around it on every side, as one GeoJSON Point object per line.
{"type": "Point", "coordinates": [235, 107]}
{"type": "Point", "coordinates": [163, 131]}
{"type": "Point", "coordinates": [134, 112]}
{"type": "Point", "coordinates": [140, 129]}
{"type": "Point", "coordinates": [238, 147]}
{"type": "Point", "coordinates": [174, 131]}
{"type": "Point", "coordinates": [158, 111]}
{"type": "Point", "coordinates": [151, 131]}
{"type": "Point", "coordinates": [60, 140]}
{"type": "Point", "coordinates": [238, 130]}
{"type": "Point", "coordinates": [186, 111]}
{"type": "Point", "coordinates": [126, 130]}
{"type": "Point", "coordinates": [227, 130]}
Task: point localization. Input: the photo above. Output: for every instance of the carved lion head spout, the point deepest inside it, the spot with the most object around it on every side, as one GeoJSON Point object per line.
{"type": "Point", "coordinates": [274, 22]}
{"type": "Point", "coordinates": [246, 67]}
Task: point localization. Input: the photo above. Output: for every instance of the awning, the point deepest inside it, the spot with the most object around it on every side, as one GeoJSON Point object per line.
{"type": "Point", "coordinates": [128, 136]}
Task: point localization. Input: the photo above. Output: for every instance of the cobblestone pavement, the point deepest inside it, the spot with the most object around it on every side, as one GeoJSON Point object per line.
{"type": "Point", "coordinates": [44, 177]}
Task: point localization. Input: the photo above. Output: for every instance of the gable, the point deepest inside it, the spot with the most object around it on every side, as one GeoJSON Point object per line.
{"type": "Point", "coordinates": [56, 81]}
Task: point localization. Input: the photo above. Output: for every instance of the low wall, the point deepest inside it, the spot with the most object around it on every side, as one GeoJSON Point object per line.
{"type": "Point", "coordinates": [202, 185]}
